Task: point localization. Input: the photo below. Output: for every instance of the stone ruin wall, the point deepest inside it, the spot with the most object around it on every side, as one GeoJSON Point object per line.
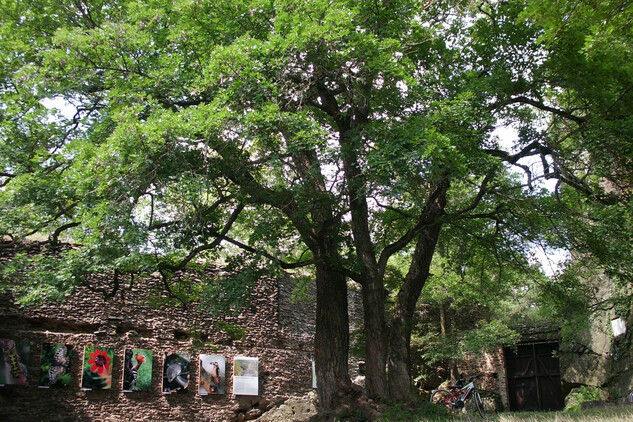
{"type": "Point", "coordinates": [279, 333]}
{"type": "Point", "coordinates": [493, 380]}
{"type": "Point", "coordinates": [594, 357]}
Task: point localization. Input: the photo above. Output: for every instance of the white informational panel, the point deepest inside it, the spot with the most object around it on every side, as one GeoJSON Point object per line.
{"type": "Point", "coordinates": [618, 325]}
{"type": "Point", "coordinates": [245, 376]}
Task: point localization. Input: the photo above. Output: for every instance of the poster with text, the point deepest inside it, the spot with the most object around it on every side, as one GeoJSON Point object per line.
{"type": "Point", "coordinates": [97, 368]}
{"type": "Point", "coordinates": [55, 365]}
{"type": "Point", "coordinates": [176, 373]}
{"type": "Point", "coordinates": [211, 375]}
{"type": "Point", "coordinates": [245, 376]}
{"type": "Point", "coordinates": [137, 370]}
{"type": "Point", "coordinates": [14, 358]}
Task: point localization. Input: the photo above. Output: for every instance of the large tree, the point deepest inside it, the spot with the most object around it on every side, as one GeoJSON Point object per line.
{"type": "Point", "coordinates": [332, 135]}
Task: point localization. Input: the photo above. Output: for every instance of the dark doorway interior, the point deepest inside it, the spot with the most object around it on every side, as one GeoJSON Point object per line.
{"type": "Point", "coordinates": [534, 378]}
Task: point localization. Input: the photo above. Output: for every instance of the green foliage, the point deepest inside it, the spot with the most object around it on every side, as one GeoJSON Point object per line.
{"type": "Point", "coordinates": [177, 290]}
{"type": "Point", "coordinates": [235, 332]}
{"type": "Point", "coordinates": [302, 290]}
{"type": "Point", "coordinates": [483, 288]}
{"type": "Point", "coordinates": [36, 278]}
{"type": "Point", "coordinates": [199, 343]}
{"type": "Point", "coordinates": [488, 336]}
{"type": "Point", "coordinates": [580, 395]}
{"type": "Point", "coordinates": [318, 132]}
{"type": "Point", "coordinates": [231, 291]}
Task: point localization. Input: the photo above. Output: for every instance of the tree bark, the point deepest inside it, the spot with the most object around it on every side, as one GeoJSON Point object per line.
{"type": "Point", "coordinates": [331, 348]}
{"type": "Point", "coordinates": [402, 319]}
{"type": "Point", "coordinates": [454, 374]}
{"type": "Point", "coordinates": [372, 281]}
{"type": "Point", "coordinates": [376, 342]}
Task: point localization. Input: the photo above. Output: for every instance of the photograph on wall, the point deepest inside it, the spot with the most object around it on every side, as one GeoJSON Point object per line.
{"type": "Point", "coordinates": [137, 370]}
{"type": "Point", "coordinates": [14, 358]}
{"type": "Point", "coordinates": [176, 372]}
{"type": "Point", "coordinates": [245, 378]}
{"type": "Point", "coordinates": [55, 365]}
{"type": "Point", "coordinates": [97, 368]}
{"type": "Point", "coordinates": [211, 375]}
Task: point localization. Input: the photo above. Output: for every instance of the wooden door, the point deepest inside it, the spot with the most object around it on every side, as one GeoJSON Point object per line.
{"type": "Point", "coordinates": [534, 378]}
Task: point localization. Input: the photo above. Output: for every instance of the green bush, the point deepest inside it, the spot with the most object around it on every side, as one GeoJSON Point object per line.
{"type": "Point", "coordinates": [576, 398]}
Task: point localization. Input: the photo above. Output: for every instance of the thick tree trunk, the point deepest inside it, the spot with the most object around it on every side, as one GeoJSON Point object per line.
{"type": "Point", "coordinates": [331, 346]}
{"type": "Point", "coordinates": [376, 348]}
{"type": "Point", "coordinates": [399, 365]}
{"type": "Point", "coordinates": [372, 282]}
{"type": "Point", "coordinates": [399, 374]}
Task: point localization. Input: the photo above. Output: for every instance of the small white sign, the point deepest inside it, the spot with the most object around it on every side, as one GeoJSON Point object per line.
{"type": "Point", "coordinates": [245, 376]}
{"type": "Point", "coordinates": [618, 325]}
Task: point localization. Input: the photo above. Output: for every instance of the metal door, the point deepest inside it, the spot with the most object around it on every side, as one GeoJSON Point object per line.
{"type": "Point", "coordinates": [534, 378]}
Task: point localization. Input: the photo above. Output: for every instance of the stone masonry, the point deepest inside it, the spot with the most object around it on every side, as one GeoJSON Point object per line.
{"type": "Point", "coordinates": [279, 331]}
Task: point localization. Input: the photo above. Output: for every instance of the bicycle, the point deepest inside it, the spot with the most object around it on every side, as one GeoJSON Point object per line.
{"type": "Point", "coordinates": [457, 394]}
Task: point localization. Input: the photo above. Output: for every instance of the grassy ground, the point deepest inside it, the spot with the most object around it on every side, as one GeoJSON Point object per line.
{"type": "Point", "coordinates": [611, 414]}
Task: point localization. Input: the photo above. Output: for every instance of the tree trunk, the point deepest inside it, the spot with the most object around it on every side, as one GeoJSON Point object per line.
{"type": "Point", "coordinates": [454, 374]}
{"type": "Point", "coordinates": [376, 348]}
{"type": "Point", "coordinates": [404, 309]}
{"type": "Point", "coordinates": [331, 339]}
{"type": "Point", "coordinates": [399, 374]}
{"type": "Point", "coordinates": [372, 282]}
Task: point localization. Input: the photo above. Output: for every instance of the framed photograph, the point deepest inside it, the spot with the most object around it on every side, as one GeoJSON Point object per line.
{"type": "Point", "coordinates": [212, 371]}
{"type": "Point", "coordinates": [245, 376]}
{"type": "Point", "coordinates": [137, 370]}
{"type": "Point", "coordinates": [55, 365]}
{"type": "Point", "coordinates": [176, 372]}
{"type": "Point", "coordinates": [14, 358]}
{"type": "Point", "coordinates": [97, 368]}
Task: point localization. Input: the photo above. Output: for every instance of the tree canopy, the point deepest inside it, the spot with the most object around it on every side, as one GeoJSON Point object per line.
{"type": "Point", "coordinates": [331, 135]}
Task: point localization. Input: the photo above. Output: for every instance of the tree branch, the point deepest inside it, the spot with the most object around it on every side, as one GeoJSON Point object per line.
{"type": "Point", "coordinates": [195, 252]}
{"type": "Point", "coordinates": [281, 263]}
{"type": "Point", "coordinates": [482, 191]}
{"type": "Point", "coordinates": [521, 99]}
{"type": "Point", "coordinates": [428, 216]}
{"type": "Point", "coordinates": [54, 238]}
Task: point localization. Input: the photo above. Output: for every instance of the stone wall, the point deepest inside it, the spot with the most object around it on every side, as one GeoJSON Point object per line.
{"type": "Point", "coordinates": [278, 331]}
{"type": "Point", "coordinates": [492, 381]}
{"type": "Point", "coordinates": [594, 357]}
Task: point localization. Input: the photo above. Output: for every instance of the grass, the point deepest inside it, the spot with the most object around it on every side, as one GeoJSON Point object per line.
{"type": "Point", "coordinates": [426, 414]}
{"type": "Point", "coordinates": [611, 414]}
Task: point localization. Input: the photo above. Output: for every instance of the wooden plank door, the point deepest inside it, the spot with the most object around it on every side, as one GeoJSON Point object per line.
{"type": "Point", "coordinates": [534, 378]}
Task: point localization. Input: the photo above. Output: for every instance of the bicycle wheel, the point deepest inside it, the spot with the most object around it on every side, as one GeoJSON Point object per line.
{"type": "Point", "coordinates": [479, 403]}
{"type": "Point", "coordinates": [443, 397]}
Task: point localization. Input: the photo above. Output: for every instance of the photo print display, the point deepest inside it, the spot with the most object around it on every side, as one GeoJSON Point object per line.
{"type": "Point", "coordinates": [212, 371]}
{"type": "Point", "coordinates": [137, 370]}
{"type": "Point", "coordinates": [97, 368]}
{"type": "Point", "coordinates": [14, 357]}
{"type": "Point", "coordinates": [55, 365]}
{"type": "Point", "coordinates": [176, 372]}
{"type": "Point", "coordinates": [245, 376]}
